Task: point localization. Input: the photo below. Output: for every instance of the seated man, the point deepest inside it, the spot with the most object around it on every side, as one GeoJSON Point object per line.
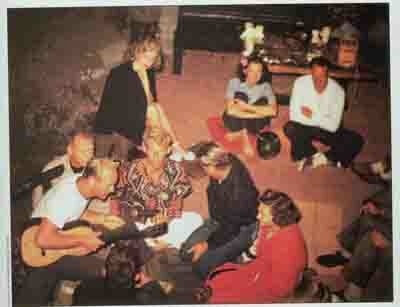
{"type": "Point", "coordinates": [232, 205]}
{"type": "Point", "coordinates": [250, 103]}
{"type": "Point", "coordinates": [64, 203]}
{"type": "Point", "coordinates": [367, 252]}
{"type": "Point", "coordinates": [80, 151]}
{"type": "Point", "coordinates": [316, 111]}
{"type": "Point", "coordinates": [124, 284]}
{"type": "Point", "coordinates": [281, 257]}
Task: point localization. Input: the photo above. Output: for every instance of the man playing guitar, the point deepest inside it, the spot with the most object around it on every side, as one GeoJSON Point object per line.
{"type": "Point", "coordinates": [63, 203]}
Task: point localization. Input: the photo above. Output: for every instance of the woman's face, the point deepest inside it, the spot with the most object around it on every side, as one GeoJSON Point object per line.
{"type": "Point", "coordinates": [147, 58]}
{"type": "Point", "coordinates": [253, 73]}
{"type": "Point", "coordinates": [265, 215]}
{"type": "Point", "coordinates": [156, 154]}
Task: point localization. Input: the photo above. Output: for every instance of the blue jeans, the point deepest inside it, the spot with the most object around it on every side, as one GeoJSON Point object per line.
{"type": "Point", "coordinates": [227, 252]}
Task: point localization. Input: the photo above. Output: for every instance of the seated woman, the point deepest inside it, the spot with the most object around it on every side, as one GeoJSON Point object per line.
{"type": "Point", "coordinates": [158, 183]}
{"type": "Point", "coordinates": [250, 103]}
{"type": "Point", "coordinates": [281, 257]}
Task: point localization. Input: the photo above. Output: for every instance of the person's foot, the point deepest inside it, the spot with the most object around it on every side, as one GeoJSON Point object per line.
{"type": "Point", "coordinates": [332, 260]}
{"type": "Point", "coordinates": [304, 163]}
{"type": "Point", "coordinates": [319, 159]}
{"type": "Point", "coordinates": [372, 172]}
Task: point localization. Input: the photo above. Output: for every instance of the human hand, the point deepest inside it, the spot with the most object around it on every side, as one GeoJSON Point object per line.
{"type": "Point", "coordinates": [115, 208]}
{"type": "Point", "coordinates": [141, 279]}
{"type": "Point", "coordinates": [198, 250]}
{"type": "Point", "coordinates": [159, 218]}
{"type": "Point", "coordinates": [174, 210]}
{"type": "Point", "coordinates": [370, 208]}
{"type": "Point", "coordinates": [379, 240]}
{"type": "Point", "coordinates": [91, 242]}
{"type": "Point", "coordinates": [113, 221]}
{"type": "Point", "coordinates": [306, 111]}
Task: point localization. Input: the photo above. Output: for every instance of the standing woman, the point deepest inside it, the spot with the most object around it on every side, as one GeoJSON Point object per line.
{"type": "Point", "coordinates": [129, 90]}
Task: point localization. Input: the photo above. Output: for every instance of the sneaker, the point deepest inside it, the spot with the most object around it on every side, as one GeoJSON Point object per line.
{"type": "Point", "coordinates": [332, 260]}
{"type": "Point", "coordinates": [304, 163]}
{"type": "Point", "coordinates": [372, 172]}
{"type": "Point", "coordinates": [319, 159]}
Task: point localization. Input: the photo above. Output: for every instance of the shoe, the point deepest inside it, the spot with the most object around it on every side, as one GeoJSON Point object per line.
{"type": "Point", "coordinates": [372, 172]}
{"type": "Point", "coordinates": [319, 159]}
{"type": "Point", "coordinates": [338, 297]}
{"type": "Point", "coordinates": [304, 163]}
{"type": "Point", "coordinates": [332, 260]}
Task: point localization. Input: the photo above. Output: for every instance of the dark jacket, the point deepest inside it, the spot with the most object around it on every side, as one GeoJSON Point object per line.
{"type": "Point", "coordinates": [123, 104]}
{"type": "Point", "coordinates": [97, 293]}
{"type": "Point", "coordinates": [232, 203]}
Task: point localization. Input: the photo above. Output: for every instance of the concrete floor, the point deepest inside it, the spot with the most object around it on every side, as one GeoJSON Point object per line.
{"type": "Point", "coordinates": [329, 198]}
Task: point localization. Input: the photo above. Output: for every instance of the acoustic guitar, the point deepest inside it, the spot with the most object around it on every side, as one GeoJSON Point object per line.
{"type": "Point", "coordinates": [35, 256]}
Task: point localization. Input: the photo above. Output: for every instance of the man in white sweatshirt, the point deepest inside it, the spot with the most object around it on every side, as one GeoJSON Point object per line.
{"type": "Point", "coordinates": [316, 112]}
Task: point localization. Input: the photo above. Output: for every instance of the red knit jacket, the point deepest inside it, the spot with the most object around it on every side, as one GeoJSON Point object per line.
{"type": "Point", "coordinates": [273, 275]}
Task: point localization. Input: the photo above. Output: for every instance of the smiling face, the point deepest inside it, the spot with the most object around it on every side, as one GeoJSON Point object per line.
{"type": "Point", "coordinates": [81, 150]}
{"type": "Point", "coordinates": [147, 58]}
{"type": "Point", "coordinates": [253, 73]}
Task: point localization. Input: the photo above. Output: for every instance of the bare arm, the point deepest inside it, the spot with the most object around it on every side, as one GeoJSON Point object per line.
{"type": "Point", "coordinates": [49, 237]}
{"type": "Point", "coordinates": [241, 109]}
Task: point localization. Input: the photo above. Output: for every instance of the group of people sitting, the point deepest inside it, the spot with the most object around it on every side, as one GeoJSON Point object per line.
{"type": "Point", "coordinates": [249, 250]}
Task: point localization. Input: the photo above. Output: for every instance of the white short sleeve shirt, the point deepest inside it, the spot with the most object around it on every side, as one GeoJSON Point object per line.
{"type": "Point", "coordinates": [62, 203]}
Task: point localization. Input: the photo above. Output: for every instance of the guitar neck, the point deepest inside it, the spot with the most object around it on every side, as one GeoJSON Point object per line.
{"type": "Point", "coordinates": [130, 231]}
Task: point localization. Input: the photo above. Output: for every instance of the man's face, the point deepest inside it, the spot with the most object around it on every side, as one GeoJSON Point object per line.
{"type": "Point", "coordinates": [81, 151]}
{"type": "Point", "coordinates": [106, 181]}
{"type": "Point", "coordinates": [320, 77]}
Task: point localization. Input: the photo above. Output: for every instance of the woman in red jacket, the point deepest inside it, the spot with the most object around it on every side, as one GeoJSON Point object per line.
{"type": "Point", "coordinates": [281, 257]}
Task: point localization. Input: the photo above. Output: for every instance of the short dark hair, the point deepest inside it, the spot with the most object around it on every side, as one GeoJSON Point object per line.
{"type": "Point", "coordinates": [265, 76]}
{"type": "Point", "coordinates": [213, 154]}
{"type": "Point", "coordinates": [121, 266]}
{"type": "Point", "coordinates": [320, 61]}
{"type": "Point", "coordinates": [284, 211]}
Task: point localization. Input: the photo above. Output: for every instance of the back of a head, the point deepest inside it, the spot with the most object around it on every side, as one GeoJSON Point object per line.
{"type": "Point", "coordinates": [121, 266]}
{"type": "Point", "coordinates": [100, 168]}
{"type": "Point", "coordinates": [283, 209]}
{"type": "Point", "coordinates": [212, 154]}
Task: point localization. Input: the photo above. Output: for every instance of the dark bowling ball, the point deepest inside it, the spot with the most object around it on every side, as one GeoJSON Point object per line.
{"type": "Point", "coordinates": [268, 145]}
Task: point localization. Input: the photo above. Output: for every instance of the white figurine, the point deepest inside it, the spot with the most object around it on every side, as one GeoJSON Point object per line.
{"type": "Point", "coordinates": [325, 34]}
{"type": "Point", "coordinates": [251, 36]}
{"type": "Point", "coordinates": [315, 39]}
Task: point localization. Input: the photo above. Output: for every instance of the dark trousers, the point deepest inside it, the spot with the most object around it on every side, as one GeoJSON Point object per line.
{"type": "Point", "coordinates": [215, 257]}
{"type": "Point", "coordinates": [39, 285]}
{"type": "Point", "coordinates": [371, 268]}
{"type": "Point", "coordinates": [344, 144]}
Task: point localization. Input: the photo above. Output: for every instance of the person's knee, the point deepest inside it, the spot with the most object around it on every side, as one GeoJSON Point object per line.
{"type": "Point", "coordinates": [289, 129]}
